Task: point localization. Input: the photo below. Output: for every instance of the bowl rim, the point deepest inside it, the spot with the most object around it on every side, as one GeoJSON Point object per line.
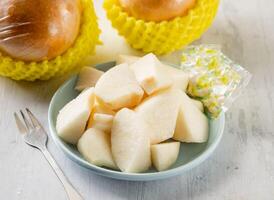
{"type": "Point", "coordinates": [122, 175]}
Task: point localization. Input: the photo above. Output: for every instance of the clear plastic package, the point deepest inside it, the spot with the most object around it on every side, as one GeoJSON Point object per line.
{"type": "Point", "coordinates": [214, 78]}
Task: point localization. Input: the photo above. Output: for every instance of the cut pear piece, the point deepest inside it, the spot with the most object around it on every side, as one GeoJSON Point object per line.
{"type": "Point", "coordinates": [72, 118]}
{"type": "Point", "coordinates": [126, 59]}
{"type": "Point", "coordinates": [118, 88]}
{"type": "Point", "coordinates": [87, 78]}
{"type": "Point", "coordinates": [164, 155]}
{"type": "Point", "coordinates": [100, 107]}
{"type": "Point", "coordinates": [198, 104]}
{"type": "Point", "coordinates": [192, 124]}
{"type": "Point", "coordinates": [101, 122]}
{"type": "Point", "coordinates": [94, 145]}
{"type": "Point", "coordinates": [149, 75]}
{"type": "Point", "coordinates": [179, 78]}
{"type": "Point", "coordinates": [101, 117]}
{"type": "Point", "coordinates": [160, 112]}
{"type": "Point", "coordinates": [130, 142]}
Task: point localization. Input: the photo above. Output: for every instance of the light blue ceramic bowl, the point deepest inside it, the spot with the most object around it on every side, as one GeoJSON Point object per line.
{"type": "Point", "coordinates": [190, 156]}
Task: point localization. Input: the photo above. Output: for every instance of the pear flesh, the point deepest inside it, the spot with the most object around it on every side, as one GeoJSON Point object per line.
{"type": "Point", "coordinates": [130, 142]}
{"type": "Point", "coordinates": [160, 112]}
{"type": "Point", "coordinates": [94, 145]}
{"type": "Point", "coordinates": [102, 122]}
{"type": "Point", "coordinates": [118, 88]}
{"type": "Point", "coordinates": [101, 117]}
{"type": "Point", "coordinates": [198, 104]}
{"type": "Point", "coordinates": [72, 118]}
{"type": "Point", "coordinates": [149, 75]}
{"type": "Point", "coordinates": [87, 78]}
{"type": "Point", "coordinates": [192, 124]}
{"type": "Point", "coordinates": [126, 59]}
{"type": "Point", "coordinates": [179, 78]}
{"type": "Point", "coordinates": [164, 155]}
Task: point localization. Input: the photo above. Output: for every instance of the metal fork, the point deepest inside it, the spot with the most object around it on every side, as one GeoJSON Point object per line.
{"type": "Point", "coordinates": [35, 136]}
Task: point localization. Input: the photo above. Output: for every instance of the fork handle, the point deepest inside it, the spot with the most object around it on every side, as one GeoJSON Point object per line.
{"type": "Point", "coordinates": [71, 191]}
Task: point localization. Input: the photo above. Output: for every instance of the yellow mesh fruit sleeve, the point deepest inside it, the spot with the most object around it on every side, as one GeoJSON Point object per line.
{"type": "Point", "coordinates": [83, 46]}
{"type": "Point", "coordinates": [166, 36]}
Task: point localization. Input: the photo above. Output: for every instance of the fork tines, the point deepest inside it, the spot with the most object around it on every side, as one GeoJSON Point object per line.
{"type": "Point", "coordinates": [29, 123]}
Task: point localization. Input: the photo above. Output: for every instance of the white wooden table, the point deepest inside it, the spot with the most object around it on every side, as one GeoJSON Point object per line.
{"type": "Point", "coordinates": [241, 168]}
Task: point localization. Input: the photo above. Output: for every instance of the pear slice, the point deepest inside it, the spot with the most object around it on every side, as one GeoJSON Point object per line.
{"type": "Point", "coordinates": [101, 116]}
{"type": "Point", "coordinates": [94, 145]}
{"type": "Point", "coordinates": [164, 155]}
{"type": "Point", "coordinates": [101, 122]}
{"type": "Point", "coordinates": [192, 124]}
{"type": "Point", "coordinates": [179, 78]}
{"type": "Point", "coordinates": [126, 59]}
{"type": "Point", "coordinates": [199, 104]}
{"type": "Point", "coordinates": [100, 107]}
{"type": "Point", "coordinates": [87, 78]}
{"type": "Point", "coordinates": [130, 142]}
{"type": "Point", "coordinates": [72, 118]}
{"type": "Point", "coordinates": [160, 112]}
{"type": "Point", "coordinates": [118, 88]}
{"type": "Point", "coordinates": [149, 75]}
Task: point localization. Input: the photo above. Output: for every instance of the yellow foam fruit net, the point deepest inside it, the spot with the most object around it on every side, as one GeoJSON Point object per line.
{"type": "Point", "coordinates": [166, 36]}
{"type": "Point", "coordinates": [84, 45]}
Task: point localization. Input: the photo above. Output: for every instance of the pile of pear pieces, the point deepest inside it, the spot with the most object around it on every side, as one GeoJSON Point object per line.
{"type": "Point", "coordinates": [133, 116]}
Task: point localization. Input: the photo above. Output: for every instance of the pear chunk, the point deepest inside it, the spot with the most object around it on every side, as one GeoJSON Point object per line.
{"type": "Point", "coordinates": [198, 104]}
{"type": "Point", "coordinates": [192, 124]}
{"type": "Point", "coordinates": [164, 155]}
{"type": "Point", "coordinates": [87, 78]}
{"type": "Point", "coordinates": [160, 112]}
{"type": "Point", "coordinates": [101, 122]}
{"type": "Point", "coordinates": [179, 78]}
{"type": "Point", "coordinates": [100, 107]}
{"type": "Point", "coordinates": [149, 75]}
{"type": "Point", "coordinates": [130, 142]}
{"type": "Point", "coordinates": [94, 145]}
{"type": "Point", "coordinates": [101, 117]}
{"type": "Point", "coordinates": [118, 88]}
{"type": "Point", "coordinates": [72, 118]}
{"type": "Point", "coordinates": [126, 59]}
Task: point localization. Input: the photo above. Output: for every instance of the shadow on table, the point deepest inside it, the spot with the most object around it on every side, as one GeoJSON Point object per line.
{"type": "Point", "coordinates": [41, 91]}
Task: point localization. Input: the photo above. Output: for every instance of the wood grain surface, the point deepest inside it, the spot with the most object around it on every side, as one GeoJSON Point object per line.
{"type": "Point", "coordinates": [242, 167]}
